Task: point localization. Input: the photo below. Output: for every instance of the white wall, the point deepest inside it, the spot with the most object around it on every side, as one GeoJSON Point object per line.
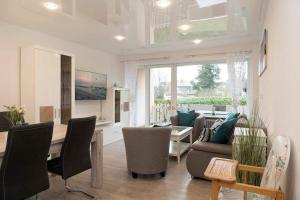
{"type": "Point", "coordinates": [279, 86]}
{"type": "Point", "coordinates": [13, 37]}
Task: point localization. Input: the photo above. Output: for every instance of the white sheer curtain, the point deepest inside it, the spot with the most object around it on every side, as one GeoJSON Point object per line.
{"type": "Point", "coordinates": [237, 75]}
{"type": "Point", "coordinates": [131, 74]}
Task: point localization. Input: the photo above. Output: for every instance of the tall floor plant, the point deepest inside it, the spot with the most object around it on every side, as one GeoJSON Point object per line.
{"type": "Point", "coordinates": [249, 148]}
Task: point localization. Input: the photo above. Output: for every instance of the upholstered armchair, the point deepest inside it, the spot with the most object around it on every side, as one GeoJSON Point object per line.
{"type": "Point", "coordinates": [197, 129]}
{"type": "Point", "coordinates": [147, 150]}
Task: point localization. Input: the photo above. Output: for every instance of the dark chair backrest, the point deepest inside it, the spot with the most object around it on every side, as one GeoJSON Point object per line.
{"type": "Point", "coordinates": [23, 170]}
{"type": "Point", "coordinates": [4, 123]}
{"type": "Point", "coordinates": [75, 153]}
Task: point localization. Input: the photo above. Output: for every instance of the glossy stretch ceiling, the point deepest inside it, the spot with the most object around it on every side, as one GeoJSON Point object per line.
{"type": "Point", "coordinates": [144, 25]}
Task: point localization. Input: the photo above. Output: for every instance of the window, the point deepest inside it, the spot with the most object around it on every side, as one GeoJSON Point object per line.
{"type": "Point", "coordinates": [201, 86]}
{"type": "Point", "coordinates": [198, 87]}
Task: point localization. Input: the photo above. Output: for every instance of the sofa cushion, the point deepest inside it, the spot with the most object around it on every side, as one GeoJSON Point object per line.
{"type": "Point", "coordinates": [186, 118]}
{"type": "Point", "coordinates": [208, 133]}
{"type": "Point", "coordinates": [225, 149]}
{"type": "Point", "coordinates": [224, 132]}
{"type": "Point", "coordinates": [231, 116]}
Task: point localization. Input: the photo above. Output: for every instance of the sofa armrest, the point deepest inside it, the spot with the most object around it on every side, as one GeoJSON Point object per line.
{"type": "Point", "coordinates": [174, 120]}
{"type": "Point", "coordinates": [198, 127]}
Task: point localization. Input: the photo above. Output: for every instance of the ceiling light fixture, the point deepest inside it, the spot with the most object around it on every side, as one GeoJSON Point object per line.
{"type": "Point", "coordinates": [163, 3]}
{"type": "Point", "coordinates": [184, 27]}
{"type": "Point", "coordinates": [208, 3]}
{"type": "Point", "coordinates": [120, 37]}
{"type": "Point", "coordinates": [197, 41]}
{"type": "Point", "coordinates": [51, 5]}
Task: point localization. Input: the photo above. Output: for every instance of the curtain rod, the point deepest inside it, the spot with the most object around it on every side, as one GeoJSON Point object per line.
{"type": "Point", "coordinates": [185, 56]}
{"type": "Point", "coordinates": [219, 53]}
{"type": "Point", "coordinates": [146, 59]}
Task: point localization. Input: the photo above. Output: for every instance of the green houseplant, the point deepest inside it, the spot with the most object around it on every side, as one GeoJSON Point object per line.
{"type": "Point", "coordinates": [249, 148]}
{"type": "Point", "coordinates": [15, 115]}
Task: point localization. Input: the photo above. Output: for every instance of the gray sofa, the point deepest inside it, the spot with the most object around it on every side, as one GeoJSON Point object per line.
{"type": "Point", "coordinates": [197, 129]}
{"type": "Point", "coordinates": [147, 150]}
{"type": "Point", "coordinates": [201, 153]}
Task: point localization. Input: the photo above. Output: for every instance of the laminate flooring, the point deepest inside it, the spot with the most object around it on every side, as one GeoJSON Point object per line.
{"type": "Point", "coordinates": [119, 185]}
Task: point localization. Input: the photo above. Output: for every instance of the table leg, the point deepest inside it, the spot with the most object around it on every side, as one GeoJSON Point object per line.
{"type": "Point", "coordinates": [97, 160]}
{"type": "Point", "coordinates": [178, 151]}
{"type": "Point", "coordinates": [191, 139]}
{"type": "Point", "coordinates": [214, 193]}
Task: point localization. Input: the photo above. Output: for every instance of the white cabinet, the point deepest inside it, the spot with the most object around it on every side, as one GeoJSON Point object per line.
{"type": "Point", "coordinates": [41, 82]}
{"type": "Point", "coordinates": [47, 82]}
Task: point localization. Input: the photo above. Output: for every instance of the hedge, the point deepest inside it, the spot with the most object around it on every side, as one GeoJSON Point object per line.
{"type": "Point", "coordinates": [203, 101]}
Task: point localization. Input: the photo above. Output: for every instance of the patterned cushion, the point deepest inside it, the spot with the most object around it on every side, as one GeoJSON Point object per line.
{"type": "Point", "coordinates": [208, 133]}
{"type": "Point", "coordinates": [205, 135]}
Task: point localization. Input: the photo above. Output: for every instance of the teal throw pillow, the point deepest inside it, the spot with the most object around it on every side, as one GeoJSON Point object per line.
{"type": "Point", "coordinates": [186, 118]}
{"type": "Point", "coordinates": [231, 116]}
{"type": "Point", "coordinates": [224, 132]}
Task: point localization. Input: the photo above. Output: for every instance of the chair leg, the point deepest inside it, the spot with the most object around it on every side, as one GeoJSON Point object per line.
{"type": "Point", "coordinates": [134, 175]}
{"type": "Point", "coordinates": [245, 195]}
{"type": "Point", "coordinates": [36, 197]}
{"type": "Point", "coordinates": [214, 193]}
{"type": "Point", "coordinates": [163, 174]}
{"type": "Point", "coordinates": [69, 189]}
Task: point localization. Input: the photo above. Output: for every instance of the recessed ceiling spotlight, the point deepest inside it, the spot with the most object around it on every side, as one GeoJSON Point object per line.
{"type": "Point", "coordinates": [120, 37]}
{"type": "Point", "coordinates": [163, 3]}
{"type": "Point", "coordinates": [184, 27]}
{"type": "Point", "coordinates": [197, 41]}
{"type": "Point", "coordinates": [51, 5]}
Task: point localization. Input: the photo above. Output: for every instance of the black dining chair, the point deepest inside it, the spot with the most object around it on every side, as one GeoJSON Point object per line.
{"type": "Point", "coordinates": [23, 170]}
{"type": "Point", "coordinates": [4, 123]}
{"type": "Point", "coordinates": [75, 153]}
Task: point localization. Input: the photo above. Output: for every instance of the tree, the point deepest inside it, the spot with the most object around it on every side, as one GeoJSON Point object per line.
{"type": "Point", "coordinates": [208, 74]}
{"type": "Point", "coordinates": [160, 90]}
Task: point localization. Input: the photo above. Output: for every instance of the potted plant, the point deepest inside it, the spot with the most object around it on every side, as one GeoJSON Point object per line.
{"type": "Point", "coordinates": [15, 115]}
{"type": "Point", "coordinates": [249, 148]}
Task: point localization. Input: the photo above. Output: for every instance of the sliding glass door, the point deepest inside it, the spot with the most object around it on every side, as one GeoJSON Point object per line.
{"type": "Point", "coordinates": [160, 94]}
{"type": "Point", "coordinates": [201, 87]}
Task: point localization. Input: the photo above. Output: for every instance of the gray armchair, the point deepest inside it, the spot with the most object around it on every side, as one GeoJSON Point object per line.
{"type": "Point", "coordinates": [197, 129]}
{"type": "Point", "coordinates": [147, 150]}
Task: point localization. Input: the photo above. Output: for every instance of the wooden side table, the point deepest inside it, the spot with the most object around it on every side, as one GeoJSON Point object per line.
{"type": "Point", "coordinates": [220, 169]}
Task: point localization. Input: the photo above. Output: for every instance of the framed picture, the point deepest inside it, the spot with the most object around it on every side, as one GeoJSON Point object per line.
{"type": "Point", "coordinates": [263, 53]}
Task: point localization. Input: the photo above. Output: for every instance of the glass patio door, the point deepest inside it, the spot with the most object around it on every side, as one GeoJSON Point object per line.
{"type": "Point", "coordinates": [160, 94]}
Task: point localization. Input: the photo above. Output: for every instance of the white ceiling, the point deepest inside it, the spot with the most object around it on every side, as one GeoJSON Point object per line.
{"type": "Point", "coordinates": [146, 27]}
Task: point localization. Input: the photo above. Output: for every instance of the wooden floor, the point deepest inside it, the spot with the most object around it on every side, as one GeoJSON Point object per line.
{"type": "Point", "coordinates": [119, 185]}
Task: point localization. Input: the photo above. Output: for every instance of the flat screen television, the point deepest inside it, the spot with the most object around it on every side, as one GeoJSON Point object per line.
{"type": "Point", "coordinates": [90, 85]}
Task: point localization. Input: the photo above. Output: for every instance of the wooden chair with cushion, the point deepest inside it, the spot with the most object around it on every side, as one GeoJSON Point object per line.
{"type": "Point", "coordinates": [223, 172]}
